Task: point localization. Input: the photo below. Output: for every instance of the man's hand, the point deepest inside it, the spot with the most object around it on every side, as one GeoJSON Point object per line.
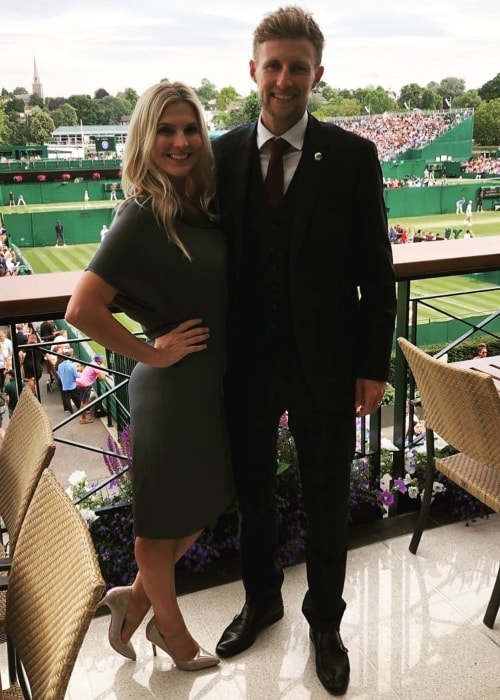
{"type": "Point", "coordinates": [368, 396]}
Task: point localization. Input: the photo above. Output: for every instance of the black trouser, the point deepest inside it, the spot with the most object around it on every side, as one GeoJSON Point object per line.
{"type": "Point", "coordinates": [325, 447]}
{"type": "Point", "coordinates": [68, 396]}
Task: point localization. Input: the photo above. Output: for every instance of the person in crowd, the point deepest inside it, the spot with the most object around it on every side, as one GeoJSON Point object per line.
{"type": "Point", "coordinates": [21, 335]}
{"type": "Point", "coordinates": [468, 212]}
{"type": "Point", "coordinates": [482, 351]}
{"type": "Point", "coordinates": [479, 200]}
{"type": "Point", "coordinates": [68, 377]}
{"type": "Point", "coordinates": [48, 330]}
{"type": "Point", "coordinates": [5, 356]}
{"type": "Point", "coordinates": [90, 374]}
{"type": "Point", "coordinates": [59, 228]}
{"type": "Point", "coordinates": [11, 394]}
{"type": "Point", "coordinates": [181, 469]}
{"type": "Point", "coordinates": [295, 267]}
{"type": "Point", "coordinates": [32, 363]}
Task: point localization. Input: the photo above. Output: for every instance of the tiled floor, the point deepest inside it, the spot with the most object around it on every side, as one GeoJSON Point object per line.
{"type": "Point", "coordinates": [413, 626]}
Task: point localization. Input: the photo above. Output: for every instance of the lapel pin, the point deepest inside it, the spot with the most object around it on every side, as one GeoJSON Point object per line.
{"type": "Point", "coordinates": [318, 156]}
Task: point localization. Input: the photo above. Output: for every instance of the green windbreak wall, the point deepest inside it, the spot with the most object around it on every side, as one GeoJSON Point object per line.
{"type": "Point", "coordinates": [33, 230]}
{"type": "Point", "coordinates": [438, 199]}
{"type": "Point", "coordinates": [439, 332]}
{"type": "Point", "coordinates": [57, 192]}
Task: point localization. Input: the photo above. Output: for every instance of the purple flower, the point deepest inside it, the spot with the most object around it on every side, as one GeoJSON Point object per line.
{"type": "Point", "coordinates": [386, 498]}
{"type": "Point", "coordinates": [400, 485]}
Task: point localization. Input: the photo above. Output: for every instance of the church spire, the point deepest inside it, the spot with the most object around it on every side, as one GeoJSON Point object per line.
{"type": "Point", "coordinates": [37, 85]}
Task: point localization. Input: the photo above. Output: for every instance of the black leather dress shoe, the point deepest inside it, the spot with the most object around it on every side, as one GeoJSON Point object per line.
{"type": "Point", "coordinates": [332, 662]}
{"type": "Point", "coordinates": [245, 627]}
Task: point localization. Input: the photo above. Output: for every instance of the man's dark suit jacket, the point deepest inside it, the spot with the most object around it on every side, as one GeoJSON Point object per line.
{"type": "Point", "coordinates": [342, 284]}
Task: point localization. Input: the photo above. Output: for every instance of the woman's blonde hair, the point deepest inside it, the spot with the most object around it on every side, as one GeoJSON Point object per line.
{"type": "Point", "coordinates": [141, 178]}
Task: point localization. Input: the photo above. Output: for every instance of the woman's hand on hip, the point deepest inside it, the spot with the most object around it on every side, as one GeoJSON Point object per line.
{"type": "Point", "coordinates": [186, 338]}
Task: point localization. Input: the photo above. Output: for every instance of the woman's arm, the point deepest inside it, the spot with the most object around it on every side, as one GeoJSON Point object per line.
{"type": "Point", "coordinates": [88, 310]}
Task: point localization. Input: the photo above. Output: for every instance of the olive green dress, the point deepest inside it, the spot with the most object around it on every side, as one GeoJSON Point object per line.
{"type": "Point", "coordinates": [180, 464]}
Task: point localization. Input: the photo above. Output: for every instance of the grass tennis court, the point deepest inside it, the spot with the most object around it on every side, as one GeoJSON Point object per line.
{"type": "Point", "coordinates": [76, 257]}
{"type": "Point", "coordinates": [485, 223]}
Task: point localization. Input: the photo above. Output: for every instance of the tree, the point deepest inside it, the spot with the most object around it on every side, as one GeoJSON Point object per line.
{"type": "Point", "coordinates": [86, 108]}
{"type": "Point", "coordinates": [110, 110]}
{"type": "Point", "coordinates": [130, 96]}
{"type": "Point", "coordinates": [340, 107]}
{"type": "Point", "coordinates": [65, 115]}
{"type": "Point", "coordinates": [431, 99]}
{"type": "Point", "coordinates": [491, 89]}
{"type": "Point", "coordinates": [236, 117]}
{"type": "Point", "coordinates": [3, 122]}
{"type": "Point", "coordinates": [328, 92]}
{"type": "Point", "coordinates": [20, 91]}
{"type": "Point", "coordinates": [225, 97]}
{"type": "Point", "coordinates": [99, 94]}
{"type": "Point", "coordinates": [41, 127]}
{"type": "Point", "coordinates": [410, 96]}
{"type": "Point", "coordinates": [450, 88]}
{"type": "Point", "coordinates": [251, 107]}
{"type": "Point", "coordinates": [487, 123]}
{"type": "Point", "coordinates": [375, 100]}
{"type": "Point", "coordinates": [206, 92]}
{"type": "Point", "coordinates": [55, 102]}
{"type": "Point", "coordinates": [35, 101]}
{"type": "Point", "coordinates": [14, 105]}
{"type": "Point", "coordinates": [15, 130]}
{"type": "Point", "coordinates": [468, 99]}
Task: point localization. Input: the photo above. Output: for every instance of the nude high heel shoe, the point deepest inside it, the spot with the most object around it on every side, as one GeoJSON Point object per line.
{"type": "Point", "coordinates": [117, 600]}
{"type": "Point", "coordinates": [202, 659]}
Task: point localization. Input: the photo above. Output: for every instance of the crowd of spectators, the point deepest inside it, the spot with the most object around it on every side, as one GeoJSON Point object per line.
{"type": "Point", "coordinates": [483, 165]}
{"type": "Point", "coordinates": [394, 134]}
{"type": "Point", "coordinates": [9, 265]}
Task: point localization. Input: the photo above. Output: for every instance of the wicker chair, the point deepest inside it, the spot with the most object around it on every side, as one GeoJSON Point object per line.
{"type": "Point", "coordinates": [473, 430]}
{"type": "Point", "coordinates": [54, 589]}
{"type": "Point", "coordinates": [26, 451]}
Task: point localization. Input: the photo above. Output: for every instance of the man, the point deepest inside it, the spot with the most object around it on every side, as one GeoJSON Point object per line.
{"type": "Point", "coordinates": [11, 395]}
{"type": "Point", "coordinates": [5, 357]}
{"type": "Point", "coordinates": [68, 376]}
{"type": "Point", "coordinates": [295, 270]}
{"type": "Point", "coordinates": [59, 234]}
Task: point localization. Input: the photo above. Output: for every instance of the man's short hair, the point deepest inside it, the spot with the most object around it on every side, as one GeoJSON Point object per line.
{"type": "Point", "coordinates": [289, 23]}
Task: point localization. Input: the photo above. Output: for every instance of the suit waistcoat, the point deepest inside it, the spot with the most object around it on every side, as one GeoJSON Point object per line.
{"type": "Point", "coordinates": [265, 280]}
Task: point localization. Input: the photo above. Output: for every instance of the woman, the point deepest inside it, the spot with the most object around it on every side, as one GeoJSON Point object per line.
{"type": "Point", "coordinates": [181, 471]}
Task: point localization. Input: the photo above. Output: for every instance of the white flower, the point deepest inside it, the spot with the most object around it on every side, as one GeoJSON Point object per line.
{"type": "Point", "coordinates": [385, 482]}
{"type": "Point", "coordinates": [88, 515]}
{"type": "Point", "coordinates": [412, 491]}
{"type": "Point", "coordinates": [438, 487]}
{"type": "Point", "coordinates": [77, 477]}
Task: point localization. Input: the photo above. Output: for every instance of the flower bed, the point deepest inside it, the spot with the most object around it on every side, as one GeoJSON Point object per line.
{"type": "Point", "coordinates": [112, 529]}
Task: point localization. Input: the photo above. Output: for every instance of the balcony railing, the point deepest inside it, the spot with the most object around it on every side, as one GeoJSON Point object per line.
{"type": "Point", "coordinates": [27, 298]}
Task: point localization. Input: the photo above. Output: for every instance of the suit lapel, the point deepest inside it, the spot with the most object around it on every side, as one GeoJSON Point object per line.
{"type": "Point", "coordinates": [315, 168]}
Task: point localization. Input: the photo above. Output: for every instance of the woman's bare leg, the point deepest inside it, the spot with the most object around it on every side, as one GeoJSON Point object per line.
{"type": "Point", "coordinates": [156, 561]}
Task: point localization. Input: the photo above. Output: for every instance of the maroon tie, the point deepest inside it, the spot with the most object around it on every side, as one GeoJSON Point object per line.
{"type": "Point", "coordinates": [274, 177]}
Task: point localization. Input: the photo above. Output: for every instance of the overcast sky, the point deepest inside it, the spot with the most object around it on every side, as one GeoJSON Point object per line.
{"type": "Point", "coordinates": [83, 45]}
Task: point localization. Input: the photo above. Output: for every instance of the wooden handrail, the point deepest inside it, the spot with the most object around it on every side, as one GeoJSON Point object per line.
{"type": "Point", "coordinates": [28, 297]}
